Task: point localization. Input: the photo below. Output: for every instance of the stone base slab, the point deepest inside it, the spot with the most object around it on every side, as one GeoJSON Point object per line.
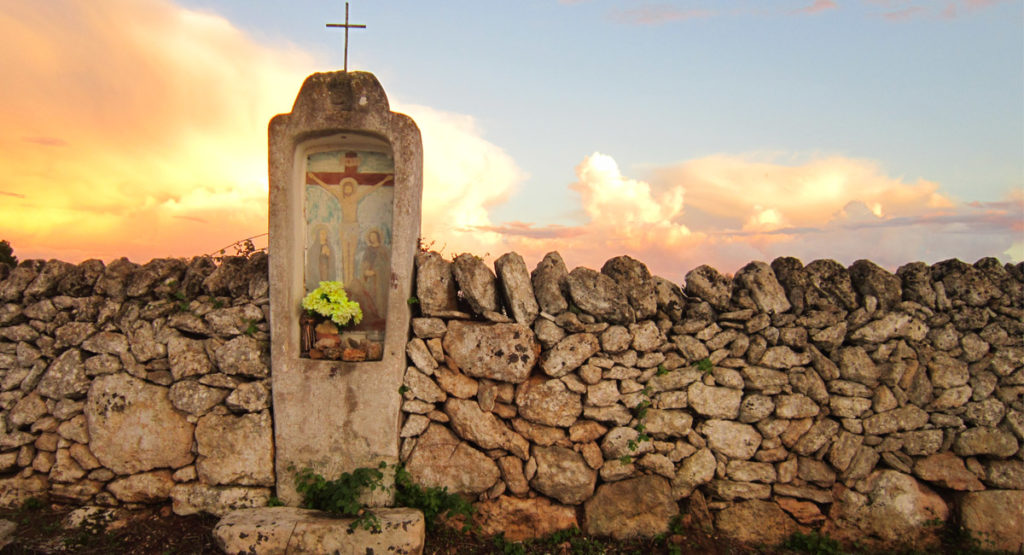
{"type": "Point", "coordinates": [280, 530]}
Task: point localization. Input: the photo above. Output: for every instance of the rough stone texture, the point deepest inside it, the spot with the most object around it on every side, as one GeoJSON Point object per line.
{"type": "Point", "coordinates": [503, 352]}
{"type": "Point", "coordinates": [630, 508]}
{"type": "Point", "coordinates": [441, 459]}
{"type": "Point", "coordinates": [548, 402]}
{"type": "Point", "coordinates": [995, 518]}
{"type": "Point", "coordinates": [765, 289]}
{"type": "Point", "coordinates": [477, 283]}
{"type": "Point", "coordinates": [895, 510]}
{"type": "Point", "coordinates": [237, 450]}
{"type": "Point", "coordinates": [634, 278]}
{"type": "Point", "coordinates": [194, 498]}
{"type": "Point", "coordinates": [293, 530]}
{"type": "Point", "coordinates": [563, 474]}
{"type": "Point", "coordinates": [707, 284]}
{"type": "Point", "coordinates": [523, 519]}
{"type": "Point", "coordinates": [483, 428]}
{"type": "Point", "coordinates": [435, 285]}
{"type": "Point", "coordinates": [133, 427]}
{"type": "Point", "coordinates": [549, 283]}
{"type": "Point", "coordinates": [568, 354]}
{"type": "Point", "coordinates": [148, 487]}
{"type": "Point", "coordinates": [755, 521]}
{"type": "Point", "coordinates": [599, 295]}
{"type": "Point", "coordinates": [514, 279]}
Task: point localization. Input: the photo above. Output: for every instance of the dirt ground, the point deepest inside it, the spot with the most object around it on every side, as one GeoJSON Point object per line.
{"type": "Point", "coordinates": [157, 530]}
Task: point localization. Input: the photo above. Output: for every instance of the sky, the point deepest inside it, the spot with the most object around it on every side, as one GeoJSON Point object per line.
{"type": "Point", "coordinates": [679, 132]}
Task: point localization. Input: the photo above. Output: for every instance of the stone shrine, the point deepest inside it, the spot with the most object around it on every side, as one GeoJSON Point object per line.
{"type": "Point", "coordinates": [345, 192]}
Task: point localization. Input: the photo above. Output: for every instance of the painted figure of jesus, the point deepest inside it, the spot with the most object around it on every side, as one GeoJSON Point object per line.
{"type": "Point", "coordinates": [351, 188]}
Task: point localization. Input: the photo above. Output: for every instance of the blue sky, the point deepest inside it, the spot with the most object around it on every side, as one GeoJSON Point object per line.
{"type": "Point", "coordinates": [606, 127]}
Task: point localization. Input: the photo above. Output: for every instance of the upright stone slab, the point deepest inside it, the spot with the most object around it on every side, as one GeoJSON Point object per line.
{"type": "Point", "coordinates": [346, 178]}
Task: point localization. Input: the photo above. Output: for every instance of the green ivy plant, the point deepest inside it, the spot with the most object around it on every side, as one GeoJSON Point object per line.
{"type": "Point", "coordinates": [341, 497]}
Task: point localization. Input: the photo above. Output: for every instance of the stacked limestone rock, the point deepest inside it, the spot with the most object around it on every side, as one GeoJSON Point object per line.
{"type": "Point", "coordinates": [125, 384]}
{"type": "Point", "coordinates": [788, 395]}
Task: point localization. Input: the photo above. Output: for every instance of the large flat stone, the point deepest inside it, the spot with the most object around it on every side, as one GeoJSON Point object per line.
{"type": "Point", "coordinates": [134, 428]}
{"type": "Point", "coordinates": [273, 530]}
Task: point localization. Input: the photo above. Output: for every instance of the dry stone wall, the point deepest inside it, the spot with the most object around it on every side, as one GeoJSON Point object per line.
{"type": "Point", "coordinates": [125, 384]}
{"type": "Point", "coordinates": [786, 395]}
{"type": "Point", "coordinates": [867, 402]}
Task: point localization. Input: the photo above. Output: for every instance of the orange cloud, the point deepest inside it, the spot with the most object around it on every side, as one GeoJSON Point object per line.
{"type": "Point", "coordinates": [134, 127]}
{"type": "Point", "coordinates": [743, 208]}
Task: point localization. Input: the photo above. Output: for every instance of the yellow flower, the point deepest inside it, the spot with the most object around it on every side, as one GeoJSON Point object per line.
{"type": "Point", "coordinates": [330, 301]}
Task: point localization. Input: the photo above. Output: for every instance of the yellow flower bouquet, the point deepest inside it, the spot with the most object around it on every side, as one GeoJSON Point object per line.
{"type": "Point", "coordinates": [330, 301]}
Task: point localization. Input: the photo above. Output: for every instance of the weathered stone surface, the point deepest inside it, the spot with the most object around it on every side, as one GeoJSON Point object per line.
{"type": "Point", "coordinates": [440, 459]}
{"type": "Point", "coordinates": [422, 387]}
{"type": "Point", "coordinates": [106, 342]}
{"type": "Point", "coordinates": [667, 424]}
{"type": "Point", "coordinates": [707, 284]}
{"type": "Point", "coordinates": [947, 470]}
{"type": "Point", "coordinates": [483, 428]}
{"type": "Point", "coordinates": [995, 518]}
{"type": "Point", "coordinates": [871, 280]}
{"type": "Point", "coordinates": [568, 354]}
{"type": "Point", "coordinates": [194, 398]}
{"type": "Point", "coordinates": [599, 295]}
{"type": "Point", "coordinates": [563, 474]}
{"type": "Point", "coordinates": [549, 283]}
{"type": "Point", "coordinates": [624, 442]}
{"type": "Point", "coordinates": [456, 384]}
{"type": "Point", "coordinates": [548, 402]}
{"type": "Point", "coordinates": [833, 280]}
{"type": "Point", "coordinates": [795, 406]}
{"type": "Point", "coordinates": [855, 365]}
{"type": "Point", "coordinates": [26, 411]}
{"type": "Point", "coordinates": [909, 417]}
{"type": "Point", "coordinates": [187, 357]}
{"type": "Point", "coordinates": [65, 377]}
{"type": "Point", "coordinates": [148, 487]}
{"type": "Point", "coordinates": [235, 450]}
{"type": "Point", "coordinates": [516, 287]}
{"type": "Point", "coordinates": [714, 402]}
{"type": "Point", "coordinates": [502, 352]}
{"type": "Point", "coordinates": [639, 507]}
{"type": "Point", "coordinates": [635, 280]}
{"type": "Point", "coordinates": [435, 285]}
{"type": "Point", "coordinates": [732, 439]}
{"type": "Point", "coordinates": [133, 427]}
{"type": "Point", "coordinates": [895, 510]}
{"type": "Point", "coordinates": [522, 519]}
{"type": "Point", "coordinates": [249, 397]}
{"type": "Point", "coordinates": [15, 491]}
{"type": "Point", "coordinates": [765, 289]}
{"type": "Point", "coordinates": [985, 441]}
{"type": "Point", "coordinates": [477, 283]}
{"type": "Point", "coordinates": [194, 497]}
{"type": "Point", "coordinates": [737, 522]}
{"type": "Point", "coordinates": [892, 325]}
{"type": "Point", "coordinates": [243, 356]}
{"type": "Point", "coordinates": [816, 437]}
{"type": "Point", "coordinates": [293, 530]}
{"type": "Point", "coordinates": [1005, 474]}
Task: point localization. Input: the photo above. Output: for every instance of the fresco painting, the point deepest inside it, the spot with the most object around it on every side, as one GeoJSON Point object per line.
{"type": "Point", "coordinates": [349, 203]}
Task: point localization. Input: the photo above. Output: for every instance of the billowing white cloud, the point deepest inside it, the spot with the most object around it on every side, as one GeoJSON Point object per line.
{"type": "Point", "coordinates": [463, 176]}
{"type": "Point", "coordinates": [741, 208]}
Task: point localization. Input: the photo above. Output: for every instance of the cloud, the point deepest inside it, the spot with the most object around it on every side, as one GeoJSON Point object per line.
{"type": "Point", "coordinates": [727, 210]}
{"type": "Point", "coordinates": [464, 175]}
{"type": "Point", "coordinates": [657, 14]}
{"type": "Point", "coordinates": [134, 127]}
{"type": "Point", "coordinates": [818, 6]}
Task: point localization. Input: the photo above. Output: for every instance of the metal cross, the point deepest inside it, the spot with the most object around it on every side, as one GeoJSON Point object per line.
{"type": "Point", "coordinates": [347, 26]}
